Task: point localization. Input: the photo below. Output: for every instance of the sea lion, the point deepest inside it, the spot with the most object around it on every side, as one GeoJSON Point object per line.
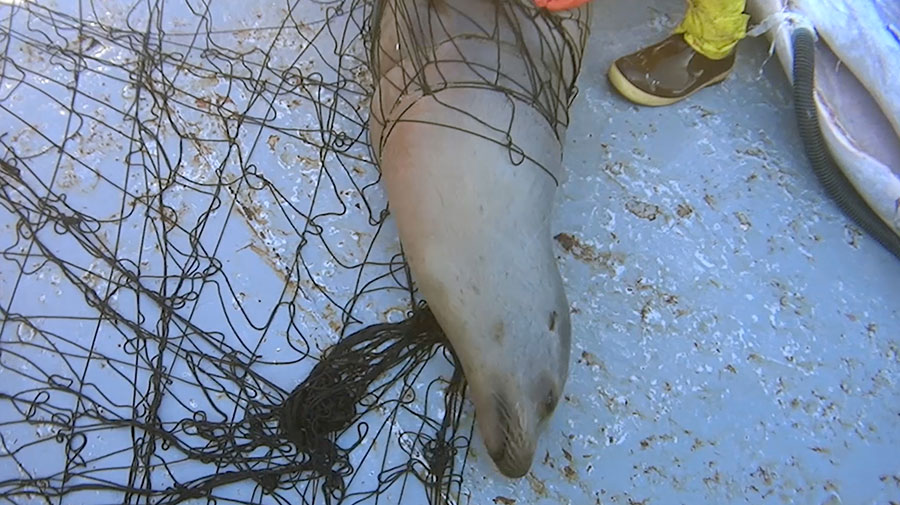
{"type": "Point", "coordinates": [467, 125]}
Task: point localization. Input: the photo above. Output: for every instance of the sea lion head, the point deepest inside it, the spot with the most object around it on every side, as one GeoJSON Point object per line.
{"type": "Point", "coordinates": [516, 379]}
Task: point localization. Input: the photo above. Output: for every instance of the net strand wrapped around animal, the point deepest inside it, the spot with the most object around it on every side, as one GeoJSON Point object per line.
{"type": "Point", "coordinates": [204, 219]}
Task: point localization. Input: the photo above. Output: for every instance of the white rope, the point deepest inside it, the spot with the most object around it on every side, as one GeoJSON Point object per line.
{"type": "Point", "coordinates": [783, 19]}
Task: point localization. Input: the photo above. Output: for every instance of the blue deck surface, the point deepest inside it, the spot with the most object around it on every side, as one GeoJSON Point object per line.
{"type": "Point", "coordinates": [737, 337]}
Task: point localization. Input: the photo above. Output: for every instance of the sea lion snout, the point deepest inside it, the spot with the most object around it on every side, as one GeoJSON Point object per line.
{"type": "Point", "coordinates": [513, 416]}
{"type": "Point", "coordinates": [513, 464]}
{"type": "Point", "coordinates": [513, 450]}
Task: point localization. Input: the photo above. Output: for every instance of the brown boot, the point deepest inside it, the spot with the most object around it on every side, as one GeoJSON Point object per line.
{"type": "Point", "coordinates": [666, 72]}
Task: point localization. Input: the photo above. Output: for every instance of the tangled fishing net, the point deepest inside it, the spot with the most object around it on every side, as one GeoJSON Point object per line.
{"type": "Point", "coordinates": [202, 296]}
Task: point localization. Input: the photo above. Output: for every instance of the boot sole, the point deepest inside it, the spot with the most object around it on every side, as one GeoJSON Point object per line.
{"type": "Point", "coordinates": [641, 97]}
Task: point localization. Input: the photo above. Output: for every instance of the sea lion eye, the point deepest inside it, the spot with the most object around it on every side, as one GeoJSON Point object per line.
{"type": "Point", "coordinates": [548, 404]}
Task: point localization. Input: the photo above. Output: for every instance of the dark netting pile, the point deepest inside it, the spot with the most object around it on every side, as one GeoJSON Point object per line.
{"type": "Point", "coordinates": [202, 294]}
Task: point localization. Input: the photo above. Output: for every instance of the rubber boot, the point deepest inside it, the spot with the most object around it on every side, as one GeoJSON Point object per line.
{"type": "Point", "coordinates": [699, 54]}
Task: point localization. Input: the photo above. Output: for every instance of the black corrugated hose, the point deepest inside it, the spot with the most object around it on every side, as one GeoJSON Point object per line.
{"type": "Point", "coordinates": [835, 182]}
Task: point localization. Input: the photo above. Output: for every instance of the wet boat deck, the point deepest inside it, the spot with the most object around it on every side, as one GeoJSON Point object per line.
{"type": "Point", "coordinates": [736, 339]}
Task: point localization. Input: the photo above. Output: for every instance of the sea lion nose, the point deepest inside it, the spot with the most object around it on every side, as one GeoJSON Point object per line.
{"type": "Point", "coordinates": [513, 467]}
{"type": "Point", "coordinates": [497, 452]}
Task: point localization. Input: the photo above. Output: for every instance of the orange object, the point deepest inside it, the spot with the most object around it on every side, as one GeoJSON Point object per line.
{"type": "Point", "coordinates": [559, 5]}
